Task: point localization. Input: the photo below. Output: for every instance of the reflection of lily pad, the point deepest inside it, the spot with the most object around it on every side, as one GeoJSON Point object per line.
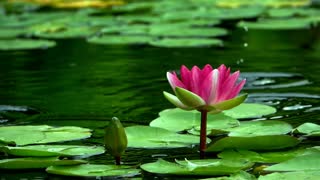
{"type": "Point", "coordinates": [185, 42]}
{"type": "Point", "coordinates": [53, 150]}
{"type": "Point", "coordinates": [25, 44]}
{"type": "Point", "coordinates": [93, 170]}
{"type": "Point", "coordinates": [36, 162]}
{"type": "Point", "coordinates": [250, 110]}
{"type": "Point", "coordinates": [180, 120]}
{"type": "Point", "coordinates": [309, 129]}
{"type": "Point", "coordinates": [196, 167]}
{"type": "Point", "coordinates": [153, 137]}
{"type": "Point", "coordinates": [24, 135]}
{"type": "Point", "coordinates": [254, 143]}
{"type": "Point", "coordinates": [118, 39]}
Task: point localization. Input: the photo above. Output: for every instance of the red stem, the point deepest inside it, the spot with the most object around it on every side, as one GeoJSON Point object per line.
{"type": "Point", "coordinates": [118, 160]}
{"type": "Point", "coordinates": [203, 133]}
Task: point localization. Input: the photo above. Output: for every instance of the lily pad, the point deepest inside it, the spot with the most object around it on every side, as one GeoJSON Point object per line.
{"type": "Point", "coordinates": [272, 142]}
{"type": "Point", "coordinates": [268, 3]}
{"type": "Point", "coordinates": [308, 162]}
{"type": "Point", "coordinates": [260, 128]}
{"type": "Point", "coordinates": [180, 120]}
{"type": "Point", "coordinates": [11, 33]}
{"type": "Point", "coordinates": [120, 39]}
{"type": "Point", "coordinates": [241, 175]}
{"type": "Point", "coordinates": [250, 110]}
{"type": "Point", "coordinates": [153, 137]}
{"type": "Point", "coordinates": [175, 31]}
{"type": "Point", "coordinates": [67, 32]}
{"type": "Point", "coordinates": [25, 44]}
{"type": "Point", "coordinates": [93, 170]}
{"type": "Point", "coordinates": [310, 175]}
{"type": "Point", "coordinates": [261, 157]}
{"type": "Point", "coordinates": [212, 167]}
{"type": "Point", "coordinates": [53, 150]}
{"type": "Point", "coordinates": [310, 129]}
{"type": "Point", "coordinates": [185, 42]}
{"type": "Point", "coordinates": [35, 162]}
{"type": "Point", "coordinates": [24, 135]}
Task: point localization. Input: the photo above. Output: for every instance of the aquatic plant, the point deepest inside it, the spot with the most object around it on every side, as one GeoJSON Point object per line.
{"type": "Point", "coordinates": [207, 90]}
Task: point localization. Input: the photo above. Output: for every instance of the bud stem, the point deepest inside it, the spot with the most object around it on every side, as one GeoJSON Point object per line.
{"type": "Point", "coordinates": [118, 160]}
{"type": "Point", "coordinates": [203, 133]}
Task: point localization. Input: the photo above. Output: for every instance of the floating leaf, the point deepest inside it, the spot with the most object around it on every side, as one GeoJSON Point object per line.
{"type": "Point", "coordinates": [67, 32]}
{"type": "Point", "coordinates": [311, 175]}
{"type": "Point", "coordinates": [261, 157]}
{"type": "Point", "coordinates": [11, 33]}
{"type": "Point", "coordinates": [185, 42]}
{"type": "Point", "coordinates": [24, 135]}
{"type": "Point", "coordinates": [179, 120]}
{"type": "Point", "coordinates": [290, 12]}
{"type": "Point", "coordinates": [211, 167]}
{"type": "Point", "coordinates": [241, 175]}
{"type": "Point", "coordinates": [135, 29]}
{"type": "Point", "coordinates": [53, 150]}
{"type": "Point", "coordinates": [118, 39]}
{"type": "Point", "coordinates": [278, 24]}
{"type": "Point", "coordinates": [310, 129]}
{"type": "Point", "coordinates": [25, 44]}
{"type": "Point", "coordinates": [254, 143]}
{"type": "Point", "coordinates": [307, 162]}
{"type": "Point", "coordinates": [250, 110]}
{"type": "Point", "coordinates": [268, 3]}
{"type": "Point", "coordinates": [260, 128]}
{"type": "Point", "coordinates": [153, 137]}
{"type": "Point", "coordinates": [93, 170]}
{"type": "Point", "coordinates": [36, 162]}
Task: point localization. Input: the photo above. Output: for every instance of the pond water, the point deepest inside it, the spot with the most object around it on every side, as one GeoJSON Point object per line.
{"type": "Point", "coordinates": [83, 84]}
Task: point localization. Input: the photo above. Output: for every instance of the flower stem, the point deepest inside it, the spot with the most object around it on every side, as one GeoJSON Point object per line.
{"type": "Point", "coordinates": [118, 160]}
{"type": "Point", "coordinates": [203, 133]}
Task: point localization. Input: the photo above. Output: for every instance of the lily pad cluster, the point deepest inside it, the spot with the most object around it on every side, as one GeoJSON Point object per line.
{"type": "Point", "coordinates": [165, 23]}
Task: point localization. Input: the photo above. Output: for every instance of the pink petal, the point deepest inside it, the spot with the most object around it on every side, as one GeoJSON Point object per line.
{"type": "Point", "coordinates": [236, 89]}
{"type": "Point", "coordinates": [227, 86]}
{"type": "Point", "coordinates": [214, 86]}
{"type": "Point", "coordinates": [185, 76]}
{"type": "Point", "coordinates": [205, 88]}
{"type": "Point", "coordinates": [195, 80]}
{"type": "Point", "coordinates": [174, 81]}
{"type": "Point", "coordinates": [205, 71]}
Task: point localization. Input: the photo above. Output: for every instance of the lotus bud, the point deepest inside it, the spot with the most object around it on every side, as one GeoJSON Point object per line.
{"type": "Point", "coordinates": [115, 139]}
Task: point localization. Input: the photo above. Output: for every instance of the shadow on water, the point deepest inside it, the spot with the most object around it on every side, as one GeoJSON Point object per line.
{"type": "Point", "coordinates": [77, 83]}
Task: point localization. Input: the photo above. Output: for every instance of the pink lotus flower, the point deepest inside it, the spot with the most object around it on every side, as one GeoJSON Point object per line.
{"type": "Point", "coordinates": [205, 89]}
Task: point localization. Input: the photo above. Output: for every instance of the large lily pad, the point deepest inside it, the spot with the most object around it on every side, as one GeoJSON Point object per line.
{"type": "Point", "coordinates": [154, 137]}
{"type": "Point", "coordinates": [11, 33]}
{"type": "Point", "coordinates": [254, 143]}
{"type": "Point", "coordinates": [53, 150]}
{"type": "Point", "coordinates": [241, 175]}
{"type": "Point", "coordinates": [180, 120]}
{"type": "Point", "coordinates": [211, 167]}
{"type": "Point", "coordinates": [24, 135]}
{"type": "Point", "coordinates": [36, 162]}
{"type": "Point", "coordinates": [250, 110]}
{"type": "Point", "coordinates": [93, 170]}
{"type": "Point", "coordinates": [185, 42]}
{"type": "Point", "coordinates": [175, 31]}
{"type": "Point", "coordinates": [67, 32]}
{"type": "Point", "coordinates": [260, 128]}
{"type": "Point", "coordinates": [310, 129]}
{"type": "Point", "coordinates": [261, 157]}
{"type": "Point", "coordinates": [307, 162]}
{"type": "Point", "coordinates": [118, 39]}
{"type": "Point", "coordinates": [25, 44]}
{"type": "Point", "coordinates": [310, 175]}
{"type": "Point", "coordinates": [268, 3]}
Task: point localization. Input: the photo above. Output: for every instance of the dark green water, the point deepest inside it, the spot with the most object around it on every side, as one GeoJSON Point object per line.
{"type": "Point", "coordinates": [77, 83]}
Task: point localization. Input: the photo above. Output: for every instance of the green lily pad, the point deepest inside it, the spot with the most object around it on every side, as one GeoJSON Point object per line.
{"type": "Point", "coordinates": [260, 128]}
{"type": "Point", "coordinates": [93, 170]}
{"type": "Point", "coordinates": [310, 175]}
{"type": "Point", "coordinates": [135, 29]}
{"type": "Point", "coordinates": [180, 120]}
{"type": "Point", "coordinates": [36, 162]}
{"type": "Point", "coordinates": [272, 142]}
{"type": "Point", "coordinates": [310, 129]}
{"type": "Point", "coordinates": [119, 39]}
{"type": "Point", "coordinates": [24, 135]}
{"type": "Point", "coordinates": [291, 12]}
{"type": "Point", "coordinates": [67, 32]}
{"type": "Point", "coordinates": [153, 137]}
{"type": "Point", "coordinates": [185, 42]}
{"type": "Point", "coordinates": [268, 3]}
{"type": "Point", "coordinates": [11, 33]}
{"type": "Point", "coordinates": [175, 31]}
{"type": "Point", "coordinates": [241, 175]}
{"type": "Point", "coordinates": [53, 150]}
{"type": "Point", "coordinates": [261, 157]}
{"type": "Point", "coordinates": [279, 24]}
{"type": "Point", "coordinates": [250, 110]}
{"type": "Point", "coordinates": [25, 44]}
{"type": "Point", "coordinates": [213, 167]}
{"type": "Point", "coordinates": [307, 162]}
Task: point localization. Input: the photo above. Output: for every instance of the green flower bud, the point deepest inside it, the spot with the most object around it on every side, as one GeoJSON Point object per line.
{"type": "Point", "coordinates": [115, 138]}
